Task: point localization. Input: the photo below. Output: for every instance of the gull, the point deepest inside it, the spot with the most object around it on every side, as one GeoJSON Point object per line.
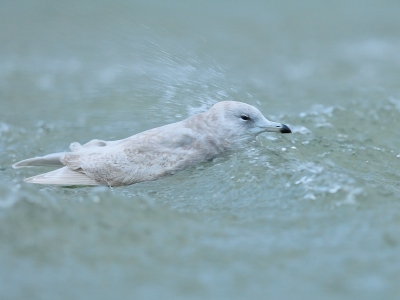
{"type": "Point", "coordinates": [158, 152]}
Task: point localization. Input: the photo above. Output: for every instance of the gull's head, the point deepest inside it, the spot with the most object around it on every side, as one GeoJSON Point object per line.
{"type": "Point", "coordinates": [239, 119]}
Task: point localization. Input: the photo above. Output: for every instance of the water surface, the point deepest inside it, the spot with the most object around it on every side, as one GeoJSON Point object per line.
{"type": "Point", "coordinates": [312, 215]}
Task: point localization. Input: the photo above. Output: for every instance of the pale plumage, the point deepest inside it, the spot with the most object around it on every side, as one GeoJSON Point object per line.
{"type": "Point", "coordinates": [157, 152]}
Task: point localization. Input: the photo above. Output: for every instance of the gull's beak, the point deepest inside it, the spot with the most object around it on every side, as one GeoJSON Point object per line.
{"type": "Point", "coordinates": [285, 129]}
{"type": "Point", "coordinates": [276, 127]}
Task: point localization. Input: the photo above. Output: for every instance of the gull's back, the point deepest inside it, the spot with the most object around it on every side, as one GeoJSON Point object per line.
{"type": "Point", "coordinates": [148, 155]}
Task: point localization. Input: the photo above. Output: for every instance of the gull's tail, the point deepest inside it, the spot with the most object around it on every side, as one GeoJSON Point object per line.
{"type": "Point", "coordinates": [62, 176]}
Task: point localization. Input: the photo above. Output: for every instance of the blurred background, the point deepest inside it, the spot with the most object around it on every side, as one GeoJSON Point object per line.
{"type": "Point", "coordinates": [312, 215]}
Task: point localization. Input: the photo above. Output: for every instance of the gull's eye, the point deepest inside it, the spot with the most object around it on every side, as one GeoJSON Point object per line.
{"type": "Point", "coordinates": [245, 117]}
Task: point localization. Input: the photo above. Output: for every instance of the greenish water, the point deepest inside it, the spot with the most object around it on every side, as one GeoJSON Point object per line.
{"type": "Point", "coordinates": [312, 215]}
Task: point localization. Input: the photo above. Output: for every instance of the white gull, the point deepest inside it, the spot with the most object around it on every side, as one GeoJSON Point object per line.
{"type": "Point", "coordinates": [157, 152]}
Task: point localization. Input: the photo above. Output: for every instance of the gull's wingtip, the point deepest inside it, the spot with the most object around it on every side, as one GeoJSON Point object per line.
{"type": "Point", "coordinates": [20, 164]}
{"type": "Point", "coordinates": [47, 160]}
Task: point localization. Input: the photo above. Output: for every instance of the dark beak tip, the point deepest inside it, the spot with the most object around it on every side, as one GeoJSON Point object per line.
{"type": "Point", "coordinates": [285, 129]}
